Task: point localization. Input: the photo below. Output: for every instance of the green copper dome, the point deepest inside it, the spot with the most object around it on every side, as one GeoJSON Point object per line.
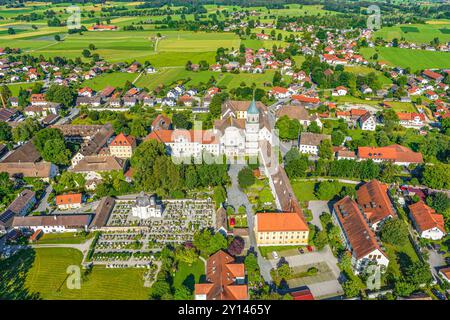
{"type": "Point", "coordinates": [252, 109]}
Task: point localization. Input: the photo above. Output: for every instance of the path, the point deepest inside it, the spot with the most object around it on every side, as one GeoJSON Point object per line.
{"type": "Point", "coordinates": [43, 204]}
{"type": "Point", "coordinates": [317, 208]}
{"type": "Point", "coordinates": [236, 198]}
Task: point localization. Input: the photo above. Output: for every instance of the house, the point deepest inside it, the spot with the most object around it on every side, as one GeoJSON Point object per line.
{"type": "Point", "coordinates": [433, 75]}
{"type": "Point", "coordinates": [298, 113]}
{"type": "Point", "coordinates": [396, 154]}
{"type": "Point", "coordinates": [367, 122]}
{"type": "Point", "coordinates": [445, 274]}
{"type": "Point", "coordinates": [53, 223]}
{"type": "Point", "coordinates": [102, 27]}
{"type": "Point", "coordinates": [26, 161]}
{"type": "Point", "coordinates": [357, 236]}
{"type": "Point", "coordinates": [19, 207]}
{"type": "Point", "coordinates": [279, 93]}
{"type": "Point", "coordinates": [340, 91]}
{"type": "Point", "coordinates": [92, 166]}
{"type": "Point", "coordinates": [428, 223]}
{"type": "Point", "coordinates": [69, 201]}
{"type": "Point", "coordinates": [93, 145]}
{"type": "Point", "coordinates": [366, 89]}
{"type": "Point", "coordinates": [411, 119]}
{"type": "Point", "coordinates": [373, 198]}
{"type": "Point", "coordinates": [308, 102]}
{"type": "Point", "coordinates": [225, 279]}
{"type": "Point", "coordinates": [85, 92]}
{"type": "Point", "coordinates": [431, 95]}
{"type": "Point", "coordinates": [102, 213]}
{"type": "Point", "coordinates": [146, 207]}
{"type": "Point", "coordinates": [309, 142]}
{"type": "Point", "coordinates": [122, 146]}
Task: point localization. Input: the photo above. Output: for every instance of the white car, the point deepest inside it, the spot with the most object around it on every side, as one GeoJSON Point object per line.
{"type": "Point", "coordinates": [275, 255]}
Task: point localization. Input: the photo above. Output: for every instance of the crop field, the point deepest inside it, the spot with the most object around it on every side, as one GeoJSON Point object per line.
{"type": "Point", "coordinates": [414, 59]}
{"type": "Point", "coordinates": [419, 33]}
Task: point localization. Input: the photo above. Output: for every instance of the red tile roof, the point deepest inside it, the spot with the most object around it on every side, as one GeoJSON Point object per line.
{"type": "Point", "coordinates": [374, 201]}
{"type": "Point", "coordinates": [221, 274]}
{"type": "Point", "coordinates": [122, 140]}
{"type": "Point", "coordinates": [425, 217]}
{"type": "Point", "coordinates": [69, 198]}
{"type": "Point", "coordinates": [395, 153]}
{"type": "Point", "coordinates": [169, 136]}
{"type": "Point", "coordinates": [359, 235]}
{"type": "Point", "coordinates": [302, 98]}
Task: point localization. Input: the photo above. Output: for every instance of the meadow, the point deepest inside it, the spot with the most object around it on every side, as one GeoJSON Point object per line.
{"type": "Point", "coordinates": [417, 33]}
{"type": "Point", "coordinates": [414, 59]}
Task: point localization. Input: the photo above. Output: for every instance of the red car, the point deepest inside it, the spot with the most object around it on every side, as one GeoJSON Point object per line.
{"type": "Point", "coordinates": [310, 248]}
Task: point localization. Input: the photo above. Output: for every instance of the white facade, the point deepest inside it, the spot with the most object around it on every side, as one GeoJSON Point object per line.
{"type": "Point", "coordinates": [309, 149]}
{"type": "Point", "coordinates": [376, 257]}
{"type": "Point", "coordinates": [368, 124]}
{"type": "Point", "coordinates": [432, 234]}
{"type": "Point", "coordinates": [146, 207]}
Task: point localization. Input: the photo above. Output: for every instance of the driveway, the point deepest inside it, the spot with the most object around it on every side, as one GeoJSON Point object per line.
{"type": "Point", "coordinates": [43, 204]}
{"type": "Point", "coordinates": [326, 288]}
{"type": "Point", "coordinates": [317, 208]}
{"type": "Point", "coordinates": [236, 198]}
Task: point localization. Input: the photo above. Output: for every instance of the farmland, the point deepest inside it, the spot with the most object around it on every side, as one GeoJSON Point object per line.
{"type": "Point", "coordinates": [408, 58]}
{"type": "Point", "coordinates": [419, 33]}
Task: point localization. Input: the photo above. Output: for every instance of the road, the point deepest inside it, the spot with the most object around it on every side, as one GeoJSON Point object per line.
{"type": "Point", "coordinates": [43, 204]}
{"type": "Point", "coordinates": [236, 198]}
{"type": "Point", "coordinates": [317, 208]}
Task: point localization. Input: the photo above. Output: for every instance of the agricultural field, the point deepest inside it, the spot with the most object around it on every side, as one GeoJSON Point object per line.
{"type": "Point", "coordinates": [43, 273]}
{"type": "Point", "coordinates": [408, 58]}
{"type": "Point", "coordinates": [361, 70]}
{"type": "Point", "coordinates": [417, 33]}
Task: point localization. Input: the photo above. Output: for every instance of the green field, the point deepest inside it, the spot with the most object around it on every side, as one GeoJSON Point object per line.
{"type": "Point", "coordinates": [67, 237]}
{"type": "Point", "coordinates": [189, 275]}
{"type": "Point", "coordinates": [414, 59]}
{"type": "Point", "coordinates": [361, 70]}
{"type": "Point", "coordinates": [417, 33]}
{"type": "Point", "coordinates": [43, 273]}
{"type": "Point", "coordinates": [304, 190]}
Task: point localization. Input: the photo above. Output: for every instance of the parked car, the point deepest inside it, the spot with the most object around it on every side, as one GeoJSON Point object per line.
{"type": "Point", "coordinates": [275, 255]}
{"type": "Point", "coordinates": [301, 250]}
{"type": "Point", "coordinates": [438, 294]}
{"type": "Point", "coordinates": [310, 248]}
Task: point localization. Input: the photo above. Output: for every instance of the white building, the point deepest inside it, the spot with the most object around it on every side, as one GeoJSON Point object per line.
{"type": "Point", "coordinates": [146, 207]}
{"type": "Point", "coordinates": [367, 122]}
{"type": "Point", "coordinates": [428, 223]}
{"type": "Point", "coordinates": [54, 223]}
{"type": "Point", "coordinates": [358, 237]}
{"type": "Point", "coordinates": [309, 142]}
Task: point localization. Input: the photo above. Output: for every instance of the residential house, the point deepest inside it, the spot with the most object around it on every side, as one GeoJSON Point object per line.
{"type": "Point", "coordinates": [309, 142]}
{"type": "Point", "coordinates": [24, 202]}
{"type": "Point", "coordinates": [53, 223]}
{"type": "Point", "coordinates": [428, 223]}
{"type": "Point", "coordinates": [122, 146]}
{"type": "Point", "coordinates": [367, 122]}
{"type": "Point", "coordinates": [69, 201]}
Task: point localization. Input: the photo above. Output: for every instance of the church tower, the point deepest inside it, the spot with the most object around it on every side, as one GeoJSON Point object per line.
{"type": "Point", "coordinates": [252, 129]}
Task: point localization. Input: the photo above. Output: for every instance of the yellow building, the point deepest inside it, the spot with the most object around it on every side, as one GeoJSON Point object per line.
{"type": "Point", "coordinates": [283, 228]}
{"type": "Point", "coordinates": [122, 146]}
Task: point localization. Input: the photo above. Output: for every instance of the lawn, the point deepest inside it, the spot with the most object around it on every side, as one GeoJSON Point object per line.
{"type": "Point", "coordinates": [45, 274]}
{"type": "Point", "coordinates": [189, 275]}
{"type": "Point", "coordinates": [400, 256]}
{"type": "Point", "coordinates": [362, 70]}
{"type": "Point", "coordinates": [115, 79]}
{"type": "Point", "coordinates": [66, 238]}
{"type": "Point", "coordinates": [282, 251]}
{"type": "Point", "coordinates": [414, 59]}
{"type": "Point", "coordinates": [16, 87]}
{"type": "Point", "coordinates": [304, 190]}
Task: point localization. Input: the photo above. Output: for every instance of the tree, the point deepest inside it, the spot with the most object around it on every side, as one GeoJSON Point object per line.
{"type": "Point", "coordinates": [86, 53]}
{"type": "Point", "coordinates": [5, 132]}
{"type": "Point", "coordinates": [284, 271]}
{"type": "Point", "coordinates": [395, 231]}
{"type": "Point", "coordinates": [418, 273]}
{"type": "Point", "coordinates": [11, 31]}
{"type": "Point", "coordinates": [439, 202]}
{"type": "Point", "coordinates": [437, 176]}
{"type": "Point", "coordinates": [182, 293]}
{"type": "Point", "coordinates": [327, 190]}
{"type": "Point", "coordinates": [181, 121]}
{"type": "Point", "coordinates": [220, 195]}
{"type": "Point", "coordinates": [296, 164]}
{"type": "Point", "coordinates": [325, 149]}
{"type": "Point", "coordinates": [138, 128]}
{"type": "Point", "coordinates": [314, 127]}
{"type": "Point", "coordinates": [251, 262]}
{"type": "Point", "coordinates": [187, 255]}
{"type": "Point", "coordinates": [60, 94]}
{"type": "Point", "coordinates": [236, 246]}
{"type": "Point", "coordinates": [5, 94]}
{"type": "Point", "coordinates": [57, 37]}
{"type": "Point", "coordinates": [337, 137]}
{"type": "Point", "coordinates": [352, 287]}
{"type": "Point", "coordinates": [320, 239]}
{"type": "Point", "coordinates": [159, 289]}
{"type": "Point", "coordinates": [55, 151]}
{"type": "Point", "coordinates": [246, 177]}
{"type": "Point", "coordinates": [288, 129]}
{"type": "Point", "coordinates": [25, 130]}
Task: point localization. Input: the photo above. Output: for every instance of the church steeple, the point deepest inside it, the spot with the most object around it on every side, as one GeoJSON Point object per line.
{"type": "Point", "coordinates": [252, 109]}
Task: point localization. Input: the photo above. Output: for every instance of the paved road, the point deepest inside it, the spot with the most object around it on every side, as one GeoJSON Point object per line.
{"type": "Point", "coordinates": [317, 208]}
{"type": "Point", "coordinates": [43, 204]}
{"type": "Point", "coordinates": [236, 198]}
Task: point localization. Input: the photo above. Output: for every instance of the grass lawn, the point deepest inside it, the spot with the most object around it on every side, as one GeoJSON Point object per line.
{"type": "Point", "coordinates": [282, 251]}
{"type": "Point", "coordinates": [66, 238]}
{"type": "Point", "coordinates": [189, 275]}
{"type": "Point", "coordinates": [16, 87]}
{"type": "Point", "coordinates": [414, 59]}
{"type": "Point", "coordinates": [400, 256]}
{"type": "Point", "coordinates": [46, 275]}
{"type": "Point", "coordinates": [115, 79]}
{"type": "Point", "coordinates": [402, 106]}
{"type": "Point", "coordinates": [304, 190]}
{"type": "Point", "coordinates": [362, 70]}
